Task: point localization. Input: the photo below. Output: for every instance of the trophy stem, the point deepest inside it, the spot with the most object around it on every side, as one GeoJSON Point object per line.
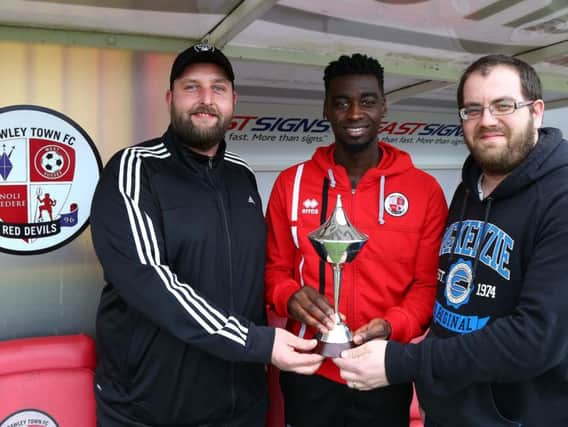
{"type": "Point", "coordinates": [337, 270]}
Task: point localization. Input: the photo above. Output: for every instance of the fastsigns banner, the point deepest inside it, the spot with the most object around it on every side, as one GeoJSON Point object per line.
{"type": "Point", "coordinates": [273, 136]}
{"type": "Point", "coordinates": [49, 168]}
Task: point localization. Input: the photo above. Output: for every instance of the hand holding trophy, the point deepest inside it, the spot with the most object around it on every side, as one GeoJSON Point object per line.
{"type": "Point", "coordinates": [337, 242]}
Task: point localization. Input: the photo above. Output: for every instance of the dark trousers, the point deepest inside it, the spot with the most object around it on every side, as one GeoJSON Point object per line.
{"type": "Point", "coordinates": [315, 401]}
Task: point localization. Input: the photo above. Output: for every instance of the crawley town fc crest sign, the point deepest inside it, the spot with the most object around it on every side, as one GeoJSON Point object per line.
{"type": "Point", "coordinates": [49, 168]}
{"type": "Point", "coordinates": [29, 418]}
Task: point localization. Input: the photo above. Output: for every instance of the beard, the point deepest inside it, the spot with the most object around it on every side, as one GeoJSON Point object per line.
{"type": "Point", "coordinates": [517, 148]}
{"type": "Point", "coordinates": [197, 137]}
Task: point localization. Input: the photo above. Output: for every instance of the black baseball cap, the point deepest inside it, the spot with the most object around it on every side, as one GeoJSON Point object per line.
{"type": "Point", "coordinates": [200, 52]}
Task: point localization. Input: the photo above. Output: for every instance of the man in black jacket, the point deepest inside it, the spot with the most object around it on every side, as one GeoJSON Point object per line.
{"type": "Point", "coordinates": [178, 227]}
{"type": "Point", "coordinates": [497, 352]}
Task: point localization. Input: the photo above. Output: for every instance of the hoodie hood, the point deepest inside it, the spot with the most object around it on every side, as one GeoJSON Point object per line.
{"type": "Point", "coordinates": [393, 162]}
{"type": "Point", "coordinates": [538, 163]}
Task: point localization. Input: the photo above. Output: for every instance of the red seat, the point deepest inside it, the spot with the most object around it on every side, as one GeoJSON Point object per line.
{"type": "Point", "coordinates": [415, 416]}
{"type": "Point", "coordinates": [48, 381]}
{"type": "Point", "coordinates": [275, 417]}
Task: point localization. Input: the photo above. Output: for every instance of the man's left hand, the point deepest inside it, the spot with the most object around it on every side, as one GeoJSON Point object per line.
{"type": "Point", "coordinates": [376, 328]}
{"type": "Point", "coordinates": [291, 353]}
{"type": "Point", "coordinates": [363, 367]}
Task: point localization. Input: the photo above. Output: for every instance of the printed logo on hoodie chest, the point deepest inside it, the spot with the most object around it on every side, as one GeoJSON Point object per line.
{"type": "Point", "coordinates": [458, 288]}
{"type": "Point", "coordinates": [494, 250]}
{"type": "Point", "coordinates": [310, 206]}
{"type": "Point", "coordinates": [396, 204]}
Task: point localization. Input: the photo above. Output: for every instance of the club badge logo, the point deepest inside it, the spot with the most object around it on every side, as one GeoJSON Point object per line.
{"type": "Point", "coordinates": [396, 204]}
{"type": "Point", "coordinates": [29, 418]}
{"type": "Point", "coordinates": [49, 168]}
{"type": "Point", "coordinates": [459, 283]}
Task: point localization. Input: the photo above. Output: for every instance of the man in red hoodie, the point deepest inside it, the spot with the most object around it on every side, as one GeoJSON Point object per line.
{"type": "Point", "coordinates": [388, 290]}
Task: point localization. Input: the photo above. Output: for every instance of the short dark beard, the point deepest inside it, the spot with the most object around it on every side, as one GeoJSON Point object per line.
{"type": "Point", "coordinates": [517, 151]}
{"type": "Point", "coordinates": [194, 137]}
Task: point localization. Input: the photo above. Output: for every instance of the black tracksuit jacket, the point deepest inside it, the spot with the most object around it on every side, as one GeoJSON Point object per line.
{"type": "Point", "coordinates": [181, 239]}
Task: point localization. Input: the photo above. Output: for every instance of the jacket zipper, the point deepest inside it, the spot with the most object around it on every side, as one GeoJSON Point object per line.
{"type": "Point", "coordinates": [227, 233]}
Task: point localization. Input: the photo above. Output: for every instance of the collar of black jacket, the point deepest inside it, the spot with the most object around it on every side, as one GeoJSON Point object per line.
{"type": "Point", "coordinates": [187, 154]}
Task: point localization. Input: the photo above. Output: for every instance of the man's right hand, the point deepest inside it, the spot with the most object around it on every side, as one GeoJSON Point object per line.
{"type": "Point", "coordinates": [289, 353]}
{"type": "Point", "coordinates": [312, 308]}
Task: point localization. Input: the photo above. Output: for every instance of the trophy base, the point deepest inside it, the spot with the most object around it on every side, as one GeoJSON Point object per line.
{"type": "Point", "coordinates": [335, 341]}
{"type": "Point", "coordinates": [332, 349]}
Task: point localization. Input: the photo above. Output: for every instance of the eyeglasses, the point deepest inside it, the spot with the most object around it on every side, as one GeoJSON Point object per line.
{"type": "Point", "coordinates": [501, 107]}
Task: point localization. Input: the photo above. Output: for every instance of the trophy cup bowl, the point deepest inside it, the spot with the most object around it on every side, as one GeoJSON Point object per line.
{"type": "Point", "coordinates": [337, 242]}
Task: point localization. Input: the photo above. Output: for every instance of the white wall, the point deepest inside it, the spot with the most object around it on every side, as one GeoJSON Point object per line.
{"type": "Point", "coordinates": [557, 118]}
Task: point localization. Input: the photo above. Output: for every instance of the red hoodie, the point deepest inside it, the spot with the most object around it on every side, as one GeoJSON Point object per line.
{"type": "Point", "coordinates": [401, 208]}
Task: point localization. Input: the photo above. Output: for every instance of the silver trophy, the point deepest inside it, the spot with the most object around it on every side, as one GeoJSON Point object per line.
{"type": "Point", "coordinates": [337, 242]}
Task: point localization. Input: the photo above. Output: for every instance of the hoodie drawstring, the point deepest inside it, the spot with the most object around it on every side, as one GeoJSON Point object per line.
{"type": "Point", "coordinates": [331, 178]}
{"type": "Point", "coordinates": [382, 200]}
{"type": "Point", "coordinates": [462, 215]}
{"type": "Point", "coordinates": [381, 218]}
{"type": "Point", "coordinates": [481, 238]}
{"type": "Point", "coordinates": [324, 200]}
